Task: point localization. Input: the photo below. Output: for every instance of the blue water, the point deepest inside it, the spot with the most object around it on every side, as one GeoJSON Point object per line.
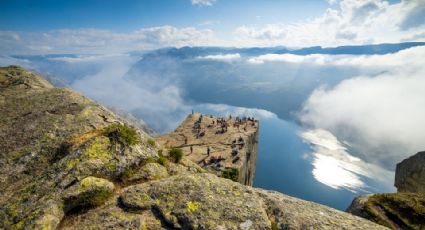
{"type": "Point", "coordinates": [280, 166]}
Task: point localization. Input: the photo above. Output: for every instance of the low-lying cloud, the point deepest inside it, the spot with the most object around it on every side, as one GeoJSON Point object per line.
{"type": "Point", "coordinates": [161, 108]}
{"type": "Point", "coordinates": [221, 57]}
{"type": "Point", "coordinates": [226, 110]}
{"type": "Point", "coordinates": [381, 116]}
{"type": "Point", "coordinates": [364, 61]}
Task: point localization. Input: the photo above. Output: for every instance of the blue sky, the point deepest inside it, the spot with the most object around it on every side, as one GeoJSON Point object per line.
{"type": "Point", "coordinates": [94, 26]}
{"type": "Point", "coordinates": [125, 15]}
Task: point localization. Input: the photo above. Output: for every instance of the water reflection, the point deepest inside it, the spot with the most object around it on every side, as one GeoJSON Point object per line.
{"type": "Point", "coordinates": [331, 172]}
{"type": "Point", "coordinates": [335, 167]}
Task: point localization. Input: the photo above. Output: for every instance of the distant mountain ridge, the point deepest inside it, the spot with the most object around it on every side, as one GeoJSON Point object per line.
{"type": "Point", "coordinates": [355, 50]}
{"type": "Point", "coordinates": [190, 52]}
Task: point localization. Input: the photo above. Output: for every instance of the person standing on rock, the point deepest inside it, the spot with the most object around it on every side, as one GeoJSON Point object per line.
{"type": "Point", "coordinates": [191, 149]}
{"type": "Point", "coordinates": [208, 151]}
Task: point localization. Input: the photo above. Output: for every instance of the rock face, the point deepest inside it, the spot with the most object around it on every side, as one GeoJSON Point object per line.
{"type": "Point", "coordinates": [68, 163]}
{"type": "Point", "coordinates": [233, 150]}
{"type": "Point", "coordinates": [410, 174]}
{"type": "Point", "coordinates": [402, 210]}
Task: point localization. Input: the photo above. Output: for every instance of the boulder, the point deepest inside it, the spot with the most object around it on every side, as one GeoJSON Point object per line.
{"type": "Point", "coordinates": [410, 174]}
{"type": "Point", "coordinates": [89, 192]}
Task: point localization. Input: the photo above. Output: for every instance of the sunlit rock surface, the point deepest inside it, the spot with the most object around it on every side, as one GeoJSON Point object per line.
{"type": "Point", "coordinates": [67, 164]}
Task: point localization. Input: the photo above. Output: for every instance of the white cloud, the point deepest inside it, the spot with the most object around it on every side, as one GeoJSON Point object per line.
{"type": "Point", "coordinates": [385, 61]}
{"type": "Point", "coordinates": [353, 22]}
{"type": "Point", "coordinates": [86, 58]}
{"type": "Point", "coordinates": [381, 116]}
{"type": "Point", "coordinates": [332, 2]}
{"type": "Point", "coordinates": [6, 61]}
{"type": "Point", "coordinates": [226, 110]}
{"type": "Point", "coordinates": [335, 167]}
{"type": "Point", "coordinates": [221, 57]}
{"type": "Point", "coordinates": [88, 41]}
{"type": "Point", "coordinates": [203, 2]}
{"type": "Point", "coordinates": [158, 103]}
{"type": "Point", "coordinates": [290, 58]}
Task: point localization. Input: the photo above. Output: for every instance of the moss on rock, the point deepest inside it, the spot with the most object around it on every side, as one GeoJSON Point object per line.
{"type": "Point", "coordinates": [98, 149]}
{"type": "Point", "coordinates": [147, 172]}
{"type": "Point", "coordinates": [397, 210]}
{"type": "Point", "coordinates": [91, 191]}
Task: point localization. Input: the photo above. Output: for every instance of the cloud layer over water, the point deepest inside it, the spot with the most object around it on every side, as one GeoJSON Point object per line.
{"type": "Point", "coordinates": [380, 116]}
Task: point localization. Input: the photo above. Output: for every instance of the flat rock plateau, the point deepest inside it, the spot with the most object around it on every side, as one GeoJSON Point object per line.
{"type": "Point", "coordinates": [232, 144]}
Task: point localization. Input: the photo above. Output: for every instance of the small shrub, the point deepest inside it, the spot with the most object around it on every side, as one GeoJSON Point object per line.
{"type": "Point", "coordinates": [122, 133]}
{"type": "Point", "coordinates": [149, 160]}
{"type": "Point", "coordinates": [160, 152]}
{"type": "Point", "coordinates": [176, 154]}
{"type": "Point", "coordinates": [230, 173]}
{"type": "Point", "coordinates": [128, 173]}
{"type": "Point", "coordinates": [192, 206]}
{"type": "Point", "coordinates": [151, 142]}
{"type": "Point", "coordinates": [162, 160]}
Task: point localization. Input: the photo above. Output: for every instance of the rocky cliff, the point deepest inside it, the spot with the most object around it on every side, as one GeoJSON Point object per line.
{"type": "Point", "coordinates": [232, 144]}
{"type": "Point", "coordinates": [402, 210]}
{"type": "Point", "coordinates": [410, 174]}
{"type": "Point", "coordinates": [68, 163]}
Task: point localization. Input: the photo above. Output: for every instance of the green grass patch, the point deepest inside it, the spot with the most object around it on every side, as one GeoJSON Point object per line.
{"type": "Point", "coordinates": [162, 161]}
{"type": "Point", "coordinates": [122, 133]}
{"type": "Point", "coordinates": [230, 173]}
{"type": "Point", "coordinates": [151, 142]}
{"type": "Point", "coordinates": [407, 210]}
{"type": "Point", "coordinates": [176, 154]}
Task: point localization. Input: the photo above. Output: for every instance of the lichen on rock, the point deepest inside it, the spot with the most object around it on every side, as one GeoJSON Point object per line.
{"type": "Point", "coordinates": [89, 192]}
{"type": "Point", "coordinates": [149, 171]}
{"type": "Point", "coordinates": [394, 210]}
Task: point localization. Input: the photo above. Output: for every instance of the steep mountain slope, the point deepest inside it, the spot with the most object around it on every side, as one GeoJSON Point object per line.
{"type": "Point", "coordinates": [69, 163]}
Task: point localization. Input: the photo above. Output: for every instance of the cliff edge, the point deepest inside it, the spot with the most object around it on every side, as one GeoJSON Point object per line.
{"type": "Point", "coordinates": [68, 163]}
{"type": "Point", "coordinates": [224, 146]}
{"type": "Point", "coordinates": [410, 174]}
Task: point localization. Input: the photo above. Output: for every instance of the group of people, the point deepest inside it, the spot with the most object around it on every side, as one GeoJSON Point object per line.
{"type": "Point", "coordinates": [196, 129]}
{"type": "Point", "coordinates": [244, 121]}
{"type": "Point", "coordinates": [213, 160]}
{"type": "Point", "coordinates": [222, 123]}
{"type": "Point", "coordinates": [238, 142]}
